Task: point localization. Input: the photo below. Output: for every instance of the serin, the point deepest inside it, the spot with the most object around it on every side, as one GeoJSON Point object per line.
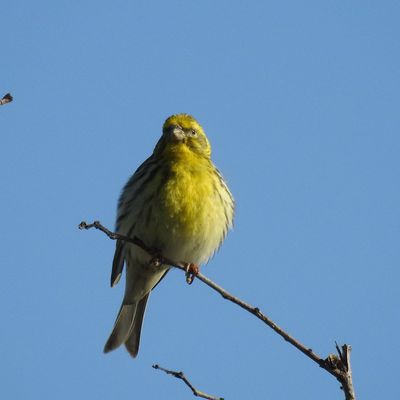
{"type": "Point", "coordinates": [176, 202]}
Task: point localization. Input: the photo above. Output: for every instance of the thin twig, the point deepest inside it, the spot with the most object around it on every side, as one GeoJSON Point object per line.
{"type": "Point", "coordinates": [7, 98]}
{"type": "Point", "coordinates": [181, 375]}
{"type": "Point", "coordinates": [337, 365]}
{"type": "Point", "coordinates": [157, 259]}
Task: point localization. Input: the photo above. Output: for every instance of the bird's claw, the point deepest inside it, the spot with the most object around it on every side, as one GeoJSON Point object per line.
{"type": "Point", "coordinates": [192, 270]}
{"type": "Point", "coordinates": [156, 260]}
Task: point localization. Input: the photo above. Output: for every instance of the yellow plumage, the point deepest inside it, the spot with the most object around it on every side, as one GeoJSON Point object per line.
{"type": "Point", "coordinates": [176, 202]}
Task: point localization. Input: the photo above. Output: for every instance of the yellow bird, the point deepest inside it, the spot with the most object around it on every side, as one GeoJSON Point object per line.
{"type": "Point", "coordinates": [176, 202]}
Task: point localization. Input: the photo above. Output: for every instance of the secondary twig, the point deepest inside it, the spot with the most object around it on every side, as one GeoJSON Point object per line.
{"type": "Point", "coordinates": [337, 365]}
{"type": "Point", "coordinates": [7, 98]}
{"type": "Point", "coordinates": [181, 375]}
{"type": "Point", "coordinates": [157, 259]}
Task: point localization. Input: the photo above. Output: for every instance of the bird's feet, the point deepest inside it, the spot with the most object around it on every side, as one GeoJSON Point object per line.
{"type": "Point", "coordinates": [192, 270]}
{"type": "Point", "coordinates": [156, 259]}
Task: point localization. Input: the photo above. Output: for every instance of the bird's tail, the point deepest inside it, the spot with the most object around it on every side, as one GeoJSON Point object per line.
{"type": "Point", "coordinates": [122, 327]}
{"type": "Point", "coordinates": [127, 327]}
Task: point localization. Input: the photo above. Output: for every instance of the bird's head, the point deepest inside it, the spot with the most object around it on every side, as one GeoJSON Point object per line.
{"type": "Point", "coordinates": [182, 132]}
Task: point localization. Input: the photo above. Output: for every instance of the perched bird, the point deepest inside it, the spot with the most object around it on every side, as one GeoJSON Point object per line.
{"type": "Point", "coordinates": [176, 202]}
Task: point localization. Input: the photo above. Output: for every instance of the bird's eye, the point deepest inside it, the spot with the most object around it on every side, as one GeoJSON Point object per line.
{"type": "Point", "coordinates": [193, 133]}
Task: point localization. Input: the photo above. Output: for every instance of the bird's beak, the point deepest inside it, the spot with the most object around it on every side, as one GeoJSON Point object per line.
{"type": "Point", "coordinates": [177, 134]}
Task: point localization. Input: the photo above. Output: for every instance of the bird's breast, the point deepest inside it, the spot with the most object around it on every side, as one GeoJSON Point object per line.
{"type": "Point", "coordinates": [186, 199]}
{"type": "Point", "coordinates": [190, 215]}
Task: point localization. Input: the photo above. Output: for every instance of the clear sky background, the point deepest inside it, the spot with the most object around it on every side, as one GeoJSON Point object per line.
{"type": "Point", "coordinates": [300, 101]}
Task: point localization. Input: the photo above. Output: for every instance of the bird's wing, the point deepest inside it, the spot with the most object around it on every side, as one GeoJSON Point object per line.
{"type": "Point", "coordinates": [118, 262]}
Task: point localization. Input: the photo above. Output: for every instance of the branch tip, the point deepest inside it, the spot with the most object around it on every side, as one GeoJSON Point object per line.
{"type": "Point", "coordinates": [180, 375]}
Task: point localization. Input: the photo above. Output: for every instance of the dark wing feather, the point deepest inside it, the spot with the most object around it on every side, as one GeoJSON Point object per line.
{"type": "Point", "coordinates": [118, 262]}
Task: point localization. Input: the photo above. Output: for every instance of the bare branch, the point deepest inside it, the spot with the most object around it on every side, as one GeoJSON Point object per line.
{"type": "Point", "coordinates": [7, 98]}
{"type": "Point", "coordinates": [181, 375]}
{"type": "Point", "coordinates": [337, 365]}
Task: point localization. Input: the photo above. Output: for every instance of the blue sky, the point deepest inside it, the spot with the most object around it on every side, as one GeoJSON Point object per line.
{"type": "Point", "coordinates": [300, 101]}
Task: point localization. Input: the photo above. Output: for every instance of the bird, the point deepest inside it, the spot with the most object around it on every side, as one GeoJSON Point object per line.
{"type": "Point", "coordinates": [176, 202]}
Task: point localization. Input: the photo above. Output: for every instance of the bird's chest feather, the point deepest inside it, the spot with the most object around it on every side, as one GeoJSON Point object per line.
{"type": "Point", "coordinates": [187, 197]}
